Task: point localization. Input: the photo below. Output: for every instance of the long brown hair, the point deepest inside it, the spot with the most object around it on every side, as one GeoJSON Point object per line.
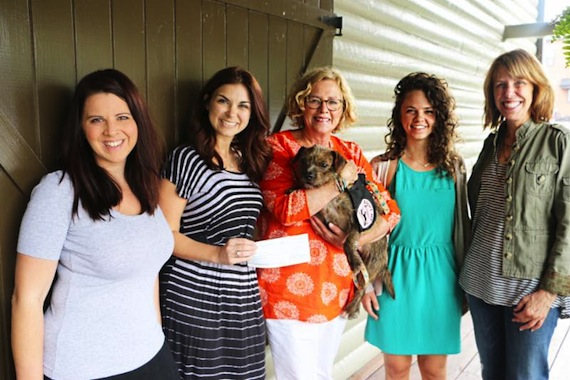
{"type": "Point", "coordinates": [255, 152]}
{"type": "Point", "coordinates": [93, 185]}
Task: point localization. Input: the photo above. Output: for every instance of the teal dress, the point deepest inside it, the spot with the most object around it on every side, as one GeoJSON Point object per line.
{"type": "Point", "coordinates": [425, 317]}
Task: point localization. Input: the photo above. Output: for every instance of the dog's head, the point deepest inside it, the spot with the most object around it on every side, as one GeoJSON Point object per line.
{"type": "Point", "coordinates": [317, 165]}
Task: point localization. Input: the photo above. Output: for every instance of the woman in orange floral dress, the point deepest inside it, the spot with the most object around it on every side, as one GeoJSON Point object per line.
{"type": "Point", "coordinates": [303, 303]}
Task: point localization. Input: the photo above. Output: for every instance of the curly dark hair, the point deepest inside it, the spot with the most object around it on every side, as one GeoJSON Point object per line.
{"type": "Point", "coordinates": [255, 151]}
{"type": "Point", "coordinates": [441, 142]}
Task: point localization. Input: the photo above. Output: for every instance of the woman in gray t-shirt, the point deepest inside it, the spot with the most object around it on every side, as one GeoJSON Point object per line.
{"type": "Point", "coordinates": [97, 224]}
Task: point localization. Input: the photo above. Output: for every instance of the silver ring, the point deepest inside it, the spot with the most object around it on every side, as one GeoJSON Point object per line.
{"type": "Point", "coordinates": [238, 254]}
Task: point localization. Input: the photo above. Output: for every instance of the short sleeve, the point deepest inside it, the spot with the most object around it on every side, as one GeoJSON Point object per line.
{"type": "Point", "coordinates": [181, 168]}
{"type": "Point", "coordinates": [47, 219]}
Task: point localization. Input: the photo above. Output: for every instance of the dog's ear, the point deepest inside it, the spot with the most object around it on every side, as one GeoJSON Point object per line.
{"type": "Point", "coordinates": [338, 161]}
{"type": "Point", "coordinates": [299, 154]}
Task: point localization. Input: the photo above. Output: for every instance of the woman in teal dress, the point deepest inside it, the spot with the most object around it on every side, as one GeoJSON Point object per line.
{"type": "Point", "coordinates": [427, 178]}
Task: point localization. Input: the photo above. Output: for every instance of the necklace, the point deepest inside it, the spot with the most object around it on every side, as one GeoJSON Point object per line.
{"type": "Point", "coordinates": [505, 152]}
{"type": "Point", "coordinates": [416, 162]}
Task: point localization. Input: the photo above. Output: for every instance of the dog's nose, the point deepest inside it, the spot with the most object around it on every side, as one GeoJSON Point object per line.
{"type": "Point", "coordinates": [310, 176]}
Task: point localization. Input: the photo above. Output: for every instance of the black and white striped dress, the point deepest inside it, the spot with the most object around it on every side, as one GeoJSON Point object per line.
{"type": "Point", "coordinates": [212, 315]}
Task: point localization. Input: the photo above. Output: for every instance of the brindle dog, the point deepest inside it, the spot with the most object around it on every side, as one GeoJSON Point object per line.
{"type": "Point", "coordinates": [316, 166]}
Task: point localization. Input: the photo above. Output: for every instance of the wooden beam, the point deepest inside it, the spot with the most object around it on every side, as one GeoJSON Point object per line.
{"type": "Point", "coordinates": [18, 159]}
{"type": "Point", "coordinates": [289, 10]}
{"type": "Point", "coordinates": [538, 29]}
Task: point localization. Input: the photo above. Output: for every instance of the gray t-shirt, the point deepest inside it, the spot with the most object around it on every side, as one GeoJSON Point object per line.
{"type": "Point", "coordinates": [102, 319]}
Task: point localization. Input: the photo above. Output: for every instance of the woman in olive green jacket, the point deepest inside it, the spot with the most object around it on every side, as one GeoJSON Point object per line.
{"type": "Point", "coordinates": [516, 272]}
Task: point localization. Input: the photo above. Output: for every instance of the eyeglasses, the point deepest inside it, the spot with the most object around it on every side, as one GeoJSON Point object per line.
{"type": "Point", "coordinates": [315, 103]}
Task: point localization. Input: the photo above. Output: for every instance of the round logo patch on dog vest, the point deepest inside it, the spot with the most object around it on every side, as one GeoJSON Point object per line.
{"type": "Point", "coordinates": [362, 203]}
{"type": "Point", "coordinates": [365, 214]}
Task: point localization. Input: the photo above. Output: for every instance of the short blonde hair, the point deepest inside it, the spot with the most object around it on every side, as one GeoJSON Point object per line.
{"type": "Point", "coordinates": [519, 64]}
{"type": "Point", "coordinates": [302, 88]}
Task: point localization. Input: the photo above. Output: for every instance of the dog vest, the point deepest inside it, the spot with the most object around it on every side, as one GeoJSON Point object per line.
{"type": "Point", "coordinates": [363, 204]}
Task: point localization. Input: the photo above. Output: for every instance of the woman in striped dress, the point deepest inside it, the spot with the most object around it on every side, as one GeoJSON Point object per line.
{"type": "Point", "coordinates": [210, 302]}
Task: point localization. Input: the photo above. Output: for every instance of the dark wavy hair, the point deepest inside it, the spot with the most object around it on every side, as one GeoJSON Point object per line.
{"type": "Point", "coordinates": [519, 64]}
{"type": "Point", "coordinates": [255, 152]}
{"type": "Point", "coordinates": [92, 184]}
{"type": "Point", "coordinates": [441, 142]}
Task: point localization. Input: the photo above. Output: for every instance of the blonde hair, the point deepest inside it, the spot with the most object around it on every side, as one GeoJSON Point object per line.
{"type": "Point", "coordinates": [519, 64]}
{"type": "Point", "coordinates": [302, 88]}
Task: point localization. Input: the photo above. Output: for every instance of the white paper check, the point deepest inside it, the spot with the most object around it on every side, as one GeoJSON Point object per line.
{"type": "Point", "coordinates": [281, 252]}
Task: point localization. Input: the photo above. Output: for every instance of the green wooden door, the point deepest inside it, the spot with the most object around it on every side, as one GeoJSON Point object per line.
{"type": "Point", "coordinates": [168, 47]}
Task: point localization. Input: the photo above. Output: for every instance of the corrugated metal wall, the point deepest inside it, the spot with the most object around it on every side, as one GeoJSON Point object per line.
{"type": "Point", "coordinates": [384, 40]}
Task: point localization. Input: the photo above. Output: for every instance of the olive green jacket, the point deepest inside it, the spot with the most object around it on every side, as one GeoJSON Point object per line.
{"type": "Point", "coordinates": [536, 241]}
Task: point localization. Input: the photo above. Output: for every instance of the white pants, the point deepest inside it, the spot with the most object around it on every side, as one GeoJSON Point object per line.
{"type": "Point", "coordinates": [302, 350]}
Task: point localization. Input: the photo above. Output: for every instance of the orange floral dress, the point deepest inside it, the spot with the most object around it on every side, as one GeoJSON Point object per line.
{"type": "Point", "coordinates": [316, 291]}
